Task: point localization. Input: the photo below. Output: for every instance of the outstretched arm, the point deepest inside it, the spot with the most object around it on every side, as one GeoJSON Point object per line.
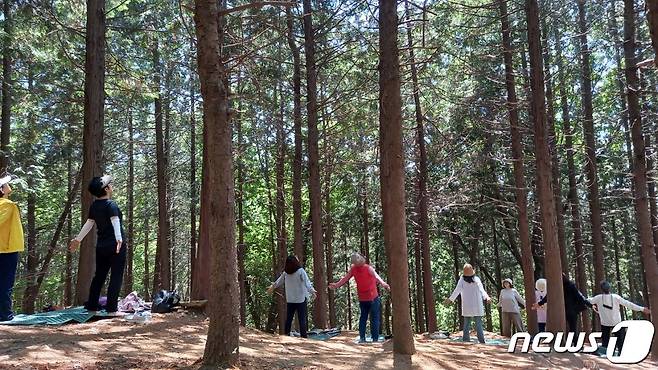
{"type": "Point", "coordinates": [379, 278]}
{"type": "Point", "coordinates": [342, 281]}
{"type": "Point", "coordinates": [75, 243]}
{"type": "Point", "coordinates": [482, 291]}
{"type": "Point", "coordinates": [629, 304]}
{"type": "Point", "coordinates": [307, 282]}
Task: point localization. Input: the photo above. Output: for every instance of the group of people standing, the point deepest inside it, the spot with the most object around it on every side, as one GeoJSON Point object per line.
{"type": "Point", "coordinates": [473, 294]}
{"type": "Point", "coordinates": [111, 249]}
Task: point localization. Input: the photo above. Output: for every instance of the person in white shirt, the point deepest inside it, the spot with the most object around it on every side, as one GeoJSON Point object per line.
{"type": "Point", "coordinates": [298, 288]}
{"type": "Point", "coordinates": [607, 305]}
{"type": "Point", "coordinates": [473, 294]}
{"type": "Point", "coordinates": [509, 302]}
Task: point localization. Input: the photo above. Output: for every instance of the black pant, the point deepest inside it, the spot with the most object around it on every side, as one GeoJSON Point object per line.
{"type": "Point", "coordinates": [302, 312]}
{"type": "Point", "coordinates": [8, 264]}
{"type": "Point", "coordinates": [542, 327]}
{"type": "Point", "coordinates": [605, 338]}
{"type": "Point", "coordinates": [107, 260]}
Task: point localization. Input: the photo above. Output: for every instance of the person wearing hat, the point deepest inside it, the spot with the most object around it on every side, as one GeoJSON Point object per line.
{"type": "Point", "coordinates": [509, 302]}
{"type": "Point", "coordinates": [11, 243]}
{"type": "Point", "coordinates": [574, 304]}
{"type": "Point", "coordinates": [472, 292]}
{"type": "Point", "coordinates": [369, 302]}
{"type": "Point", "coordinates": [540, 293]}
{"type": "Point", "coordinates": [608, 307]}
{"type": "Point", "coordinates": [105, 214]}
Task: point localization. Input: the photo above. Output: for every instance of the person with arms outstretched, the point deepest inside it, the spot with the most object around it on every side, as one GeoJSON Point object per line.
{"type": "Point", "coordinates": [298, 288]}
{"type": "Point", "coordinates": [366, 286]}
{"type": "Point", "coordinates": [473, 294]}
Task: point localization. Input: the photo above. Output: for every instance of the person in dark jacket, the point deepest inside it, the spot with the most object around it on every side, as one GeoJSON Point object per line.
{"type": "Point", "coordinates": [574, 304]}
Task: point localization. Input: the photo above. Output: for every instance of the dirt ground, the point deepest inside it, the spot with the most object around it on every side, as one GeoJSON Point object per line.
{"type": "Point", "coordinates": [176, 341]}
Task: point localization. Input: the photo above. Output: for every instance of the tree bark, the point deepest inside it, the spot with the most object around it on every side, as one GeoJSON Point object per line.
{"type": "Point", "coordinates": [392, 175]}
{"type": "Point", "coordinates": [574, 200]}
{"type": "Point", "coordinates": [639, 164]}
{"type": "Point", "coordinates": [7, 67]}
{"type": "Point", "coordinates": [556, 318]}
{"type": "Point", "coordinates": [242, 247]}
{"type": "Point", "coordinates": [92, 137]}
{"type": "Point", "coordinates": [519, 176]}
{"type": "Point", "coordinates": [147, 274]}
{"type": "Point", "coordinates": [193, 169]}
{"type": "Point", "coordinates": [652, 18]}
{"type": "Point", "coordinates": [128, 280]}
{"type": "Point", "coordinates": [222, 347]}
{"type": "Point", "coordinates": [421, 202]}
{"type": "Point", "coordinates": [320, 317]}
{"type": "Point", "coordinates": [590, 150]}
{"type": "Point", "coordinates": [32, 253]}
{"type": "Point", "coordinates": [281, 237]}
{"type": "Point", "coordinates": [162, 268]}
{"type": "Point", "coordinates": [555, 160]}
{"type": "Point", "coordinates": [297, 161]}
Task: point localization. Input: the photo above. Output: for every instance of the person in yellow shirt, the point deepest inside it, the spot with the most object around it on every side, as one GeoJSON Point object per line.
{"type": "Point", "coordinates": [11, 242]}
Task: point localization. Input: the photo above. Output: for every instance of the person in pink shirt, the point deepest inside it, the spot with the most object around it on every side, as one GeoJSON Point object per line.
{"type": "Point", "coordinates": [366, 285]}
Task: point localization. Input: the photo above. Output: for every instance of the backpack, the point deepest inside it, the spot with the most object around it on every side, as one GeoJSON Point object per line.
{"type": "Point", "coordinates": [164, 301]}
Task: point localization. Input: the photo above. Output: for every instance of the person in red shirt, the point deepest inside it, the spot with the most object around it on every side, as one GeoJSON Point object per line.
{"type": "Point", "coordinates": [366, 285]}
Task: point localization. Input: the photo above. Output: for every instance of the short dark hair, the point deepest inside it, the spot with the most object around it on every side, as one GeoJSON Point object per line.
{"type": "Point", "coordinates": [292, 264]}
{"type": "Point", "coordinates": [96, 187]}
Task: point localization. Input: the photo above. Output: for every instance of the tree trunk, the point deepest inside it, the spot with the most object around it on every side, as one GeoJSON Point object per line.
{"type": "Point", "coordinates": [297, 161]}
{"type": "Point", "coordinates": [147, 274]}
{"type": "Point", "coordinates": [92, 137]}
{"type": "Point", "coordinates": [421, 203]}
{"type": "Point", "coordinates": [499, 273]}
{"type": "Point", "coordinates": [574, 200]}
{"type": "Point", "coordinates": [128, 280]}
{"type": "Point", "coordinates": [652, 18]}
{"type": "Point", "coordinates": [457, 270]}
{"type": "Point", "coordinates": [319, 272]}
{"type": "Point", "coordinates": [193, 182]}
{"type": "Point", "coordinates": [222, 347]}
{"type": "Point", "coordinates": [392, 175]}
{"type": "Point", "coordinates": [32, 254]}
{"type": "Point", "coordinates": [281, 238]}
{"type": "Point", "coordinates": [242, 248]}
{"type": "Point", "coordinates": [639, 164]}
{"type": "Point", "coordinates": [365, 245]}
{"type": "Point", "coordinates": [7, 66]}
{"type": "Point", "coordinates": [68, 284]}
{"type": "Point", "coordinates": [519, 177]}
{"type": "Point", "coordinates": [590, 150]}
{"type": "Point", "coordinates": [555, 161]}
{"type": "Point", "coordinates": [556, 318]}
{"type": "Point", "coordinates": [329, 232]}
{"type": "Point", "coordinates": [162, 269]}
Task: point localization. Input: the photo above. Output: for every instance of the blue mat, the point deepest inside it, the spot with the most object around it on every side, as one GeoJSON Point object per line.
{"type": "Point", "coordinates": [60, 317]}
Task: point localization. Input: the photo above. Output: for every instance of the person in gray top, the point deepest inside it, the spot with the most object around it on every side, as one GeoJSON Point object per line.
{"type": "Point", "coordinates": [298, 289]}
{"type": "Point", "coordinates": [509, 302]}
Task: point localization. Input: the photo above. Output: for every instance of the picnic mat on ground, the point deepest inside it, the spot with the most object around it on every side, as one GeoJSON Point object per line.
{"type": "Point", "coordinates": [59, 317]}
{"type": "Point", "coordinates": [325, 334]}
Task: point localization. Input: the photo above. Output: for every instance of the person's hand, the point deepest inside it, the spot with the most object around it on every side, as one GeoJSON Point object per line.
{"type": "Point", "coordinates": [647, 311]}
{"type": "Point", "coordinates": [386, 286]}
{"type": "Point", "coordinates": [332, 285]}
{"type": "Point", "coordinates": [535, 306]}
{"type": "Point", "coordinates": [314, 295]}
{"type": "Point", "coordinates": [270, 289]}
{"type": "Point", "coordinates": [73, 245]}
{"type": "Point", "coordinates": [595, 308]}
{"type": "Point", "coordinates": [488, 300]}
{"type": "Point", "coordinates": [447, 301]}
{"type": "Point", "coordinates": [119, 243]}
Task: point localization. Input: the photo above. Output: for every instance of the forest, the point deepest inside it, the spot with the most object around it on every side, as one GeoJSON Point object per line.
{"type": "Point", "coordinates": [517, 136]}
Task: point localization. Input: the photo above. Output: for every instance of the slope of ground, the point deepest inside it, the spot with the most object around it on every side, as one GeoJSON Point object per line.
{"type": "Point", "coordinates": [176, 340]}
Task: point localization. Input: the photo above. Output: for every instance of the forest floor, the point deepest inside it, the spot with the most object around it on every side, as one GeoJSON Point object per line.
{"type": "Point", "coordinates": [176, 341]}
